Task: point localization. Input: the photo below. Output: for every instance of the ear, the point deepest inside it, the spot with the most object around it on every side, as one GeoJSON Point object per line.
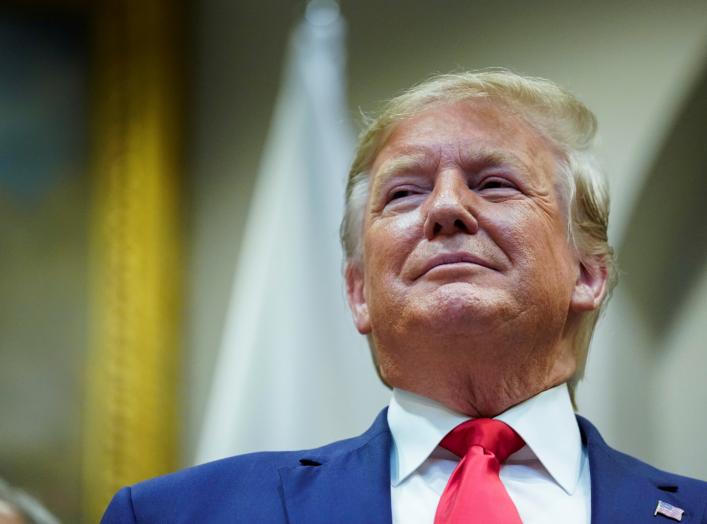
{"type": "Point", "coordinates": [590, 287]}
{"type": "Point", "coordinates": [356, 294]}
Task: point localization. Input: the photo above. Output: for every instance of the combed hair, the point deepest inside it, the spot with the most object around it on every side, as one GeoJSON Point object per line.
{"type": "Point", "coordinates": [554, 113]}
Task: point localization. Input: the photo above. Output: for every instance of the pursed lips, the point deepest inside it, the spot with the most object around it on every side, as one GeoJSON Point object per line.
{"type": "Point", "coordinates": [453, 258]}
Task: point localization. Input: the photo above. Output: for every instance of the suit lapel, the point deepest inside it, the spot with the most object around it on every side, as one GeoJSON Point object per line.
{"type": "Point", "coordinates": [346, 483]}
{"type": "Point", "coordinates": [625, 490]}
{"type": "Point", "coordinates": [349, 483]}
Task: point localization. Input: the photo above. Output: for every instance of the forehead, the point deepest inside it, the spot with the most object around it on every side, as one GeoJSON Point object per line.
{"type": "Point", "coordinates": [465, 131]}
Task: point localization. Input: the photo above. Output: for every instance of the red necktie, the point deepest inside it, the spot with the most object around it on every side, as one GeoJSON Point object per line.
{"type": "Point", "coordinates": [474, 492]}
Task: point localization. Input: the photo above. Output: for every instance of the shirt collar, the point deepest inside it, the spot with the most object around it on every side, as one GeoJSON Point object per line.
{"type": "Point", "coordinates": [546, 422]}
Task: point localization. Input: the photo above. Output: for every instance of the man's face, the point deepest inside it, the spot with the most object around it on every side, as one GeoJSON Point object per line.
{"type": "Point", "coordinates": [465, 249]}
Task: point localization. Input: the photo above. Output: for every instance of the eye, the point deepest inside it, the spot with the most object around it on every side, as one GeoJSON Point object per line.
{"type": "Point", "coordinates": [495, 183]}
{"type": "Point", "coordinates": [400, 193]}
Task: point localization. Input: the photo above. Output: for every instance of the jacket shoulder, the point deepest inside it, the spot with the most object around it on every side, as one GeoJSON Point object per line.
{"type": "Point", "coordinates": [219, 491]}
{"type": "Point", "coordinates": [618, 473]}
{"type": "Point", "coordinates": [242, 488]}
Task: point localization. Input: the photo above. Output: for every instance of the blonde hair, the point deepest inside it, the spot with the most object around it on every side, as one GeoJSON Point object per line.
{"type": "Point", "coordinates": [556, 114]}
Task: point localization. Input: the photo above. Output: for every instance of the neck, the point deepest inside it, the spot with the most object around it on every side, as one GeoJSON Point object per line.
{"type": "Point", "coordinates": [478, 382]}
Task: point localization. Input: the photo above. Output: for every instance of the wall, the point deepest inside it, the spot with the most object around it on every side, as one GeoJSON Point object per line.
{"type": "Point", "coordinates": [43, 253]}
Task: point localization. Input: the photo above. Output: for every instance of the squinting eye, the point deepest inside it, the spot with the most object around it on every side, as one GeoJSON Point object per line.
{"type": "Point", "coordinates": [495, 183]}
{"type": "Point", "coordinates": [400, 193]}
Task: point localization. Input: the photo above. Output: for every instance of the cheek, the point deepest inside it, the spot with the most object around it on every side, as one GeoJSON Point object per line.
{"type": "Point", "coordinates": [388, 243]}
{"type": "Point", "coordinates": [536, 242]}
{"type": "Point", "coordinates": [389, 240]}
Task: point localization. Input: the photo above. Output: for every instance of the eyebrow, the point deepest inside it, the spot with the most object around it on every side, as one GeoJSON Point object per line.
{"type": "Point", "coordinates": [407, 162]}
{"type": "Point", "coordinates": [491, 157]}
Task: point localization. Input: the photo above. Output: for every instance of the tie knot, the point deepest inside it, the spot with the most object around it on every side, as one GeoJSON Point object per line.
{"type": "Point", "coordinates": [493, 435]}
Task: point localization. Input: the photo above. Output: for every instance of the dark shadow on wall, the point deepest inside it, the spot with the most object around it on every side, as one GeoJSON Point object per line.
{"type": "Point", "coordinates": [665, 248]}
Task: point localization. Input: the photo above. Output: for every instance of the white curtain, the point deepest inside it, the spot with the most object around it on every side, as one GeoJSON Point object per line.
{"type": "Point", "coordinates": [293, 372]}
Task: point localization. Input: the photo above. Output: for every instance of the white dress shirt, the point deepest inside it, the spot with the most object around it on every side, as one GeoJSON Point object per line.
{"type": "Point", "coordinates": [547, 479]}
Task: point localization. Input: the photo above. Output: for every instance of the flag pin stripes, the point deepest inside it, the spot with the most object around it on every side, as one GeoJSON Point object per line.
{"type": "Point", "coordinates": [668, 510]}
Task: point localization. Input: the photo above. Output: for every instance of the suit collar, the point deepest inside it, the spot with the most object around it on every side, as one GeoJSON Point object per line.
{"type": "Point", "coordinates": [346, 482]}
{"type": "Point", "coordinates": [349, 482]}
{"type": "Point", "coordinates": [627, 490]}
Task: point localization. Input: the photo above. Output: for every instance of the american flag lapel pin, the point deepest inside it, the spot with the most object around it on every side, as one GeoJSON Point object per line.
{"type": "Point", "coordinates": [668, 510]}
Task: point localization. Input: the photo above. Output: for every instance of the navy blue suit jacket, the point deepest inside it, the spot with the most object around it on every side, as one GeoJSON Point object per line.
{"type": "Point", "coordinates": [349, 482]}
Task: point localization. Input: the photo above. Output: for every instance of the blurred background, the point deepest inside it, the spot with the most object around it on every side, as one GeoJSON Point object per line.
{"type": "Point", "coordinates": [139, 210]}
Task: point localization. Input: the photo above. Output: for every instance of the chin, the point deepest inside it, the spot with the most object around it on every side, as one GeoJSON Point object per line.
{"type": "Point", "coordinates": [464, 304]}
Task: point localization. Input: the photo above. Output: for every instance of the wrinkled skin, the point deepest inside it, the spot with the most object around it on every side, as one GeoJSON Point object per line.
{"type": "Point", "coordinates": [468, 285]}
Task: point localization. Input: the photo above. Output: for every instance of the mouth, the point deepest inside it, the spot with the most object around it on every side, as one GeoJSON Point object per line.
{"type": "Point", "coordinates": [459, 259]}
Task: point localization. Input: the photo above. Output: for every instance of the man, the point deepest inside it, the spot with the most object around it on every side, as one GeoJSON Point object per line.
{"type": "Point", "coordinates": [477, 264]}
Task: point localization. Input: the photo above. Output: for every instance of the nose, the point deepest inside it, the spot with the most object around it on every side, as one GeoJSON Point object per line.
{"type": "Point", "coordinates": [449, 210]}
